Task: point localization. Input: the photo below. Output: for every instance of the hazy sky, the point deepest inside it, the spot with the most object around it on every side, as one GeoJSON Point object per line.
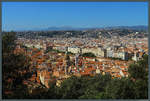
{"type": "Point", "coordinates": [34, 15]}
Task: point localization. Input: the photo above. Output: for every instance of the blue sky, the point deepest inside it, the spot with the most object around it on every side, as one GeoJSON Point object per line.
{"type": "Point", "coordinates": [41, 15]}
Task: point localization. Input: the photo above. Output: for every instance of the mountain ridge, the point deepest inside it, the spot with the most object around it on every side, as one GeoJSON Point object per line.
{"type": "Point", "coordinates": [137, 27]}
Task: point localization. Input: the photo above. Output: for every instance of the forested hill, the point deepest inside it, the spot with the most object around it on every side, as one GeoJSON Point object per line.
{"type": "Point", "coordinates": [93, 33]}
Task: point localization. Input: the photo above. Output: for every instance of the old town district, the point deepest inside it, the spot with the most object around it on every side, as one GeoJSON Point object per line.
{"type": "Point", "coordinates": [58, 59]}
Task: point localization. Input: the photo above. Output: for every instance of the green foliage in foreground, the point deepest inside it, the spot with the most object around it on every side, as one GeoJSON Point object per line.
{"type": "Point", "coordinates": [8, 41]}
{"type": "Point", "coordinates": [11, 65]}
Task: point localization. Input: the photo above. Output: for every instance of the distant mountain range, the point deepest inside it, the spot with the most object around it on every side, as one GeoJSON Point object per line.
{"type": "Point", "coordinates": [139, 27]}
{"type": "Point", "coordinates": [65, 28]}
{"type": "Point", "coordinates": [68, 28]}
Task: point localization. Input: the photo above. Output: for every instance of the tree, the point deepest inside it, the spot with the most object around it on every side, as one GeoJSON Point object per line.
{"type": "Point", "coordinates": [120, 89]}
{"type": "Point", "coordinates": [8, 42]}
{"type": "Point", "coordinates": [68, 60]}
{"type": "Point", "coordinates": [88, 54]}
{"type": "Point", "coordinates": [139, 72]}
{"type": "Point", "coordinates": [12, 65]}
{"type": "Point", "coordinates": [94, 87]}
{"type": "Point", "coordinates": [84, 87]}
{"type": "Point", "coordinates": [70, 88]}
